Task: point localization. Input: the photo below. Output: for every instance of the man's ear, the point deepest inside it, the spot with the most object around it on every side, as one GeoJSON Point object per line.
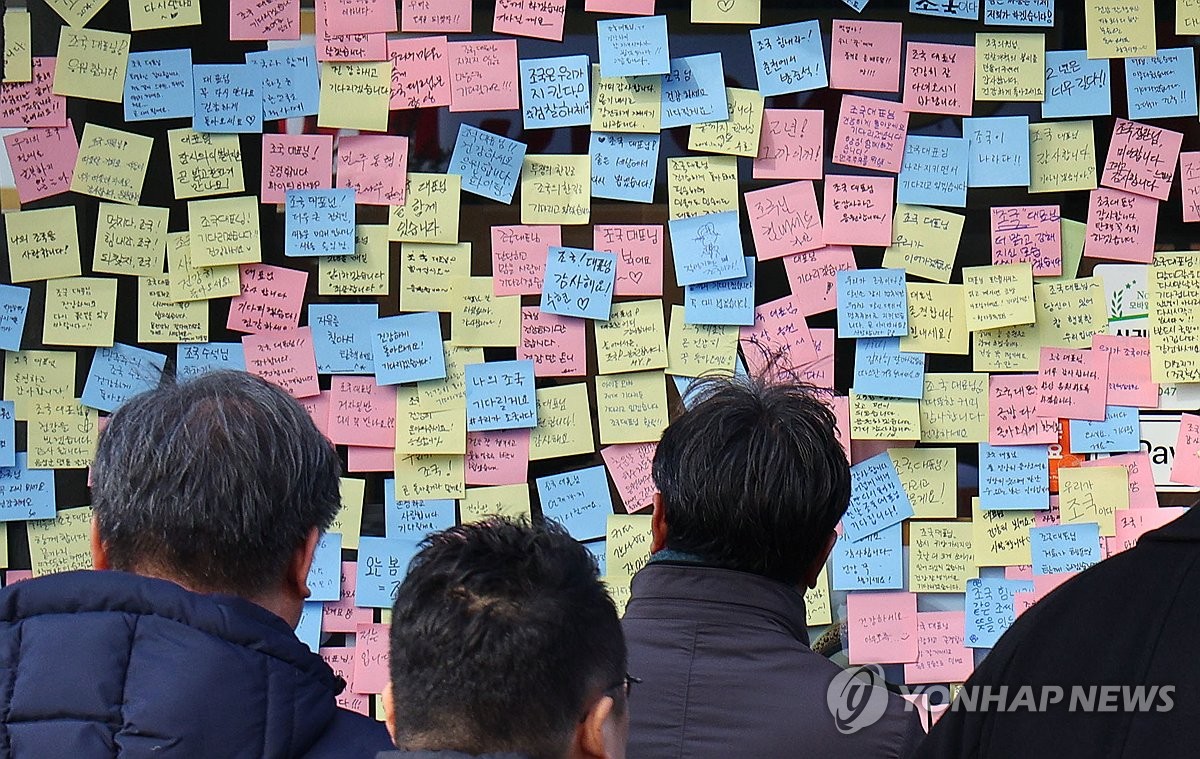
{"type": "Point", "coordinates": [389, 711]}
{"type": "Point", "coordinates": [595, 735]}
{"type": "Point", "coordinates": [302, 559]}
{"type": "Point", "coordinates": [814, 571]}
{"type": "Point", "coordinates": [99, 551]}
{"type": "Point", "coordinates": [658, 524]}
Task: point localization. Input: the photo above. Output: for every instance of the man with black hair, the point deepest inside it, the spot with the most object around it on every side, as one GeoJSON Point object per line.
{"type": "Point", "coordinates": [751, 485]}
{"type": "Point", "coordinates": [209, 498]}
{"type": "Point", "coordinates": [505, 644]}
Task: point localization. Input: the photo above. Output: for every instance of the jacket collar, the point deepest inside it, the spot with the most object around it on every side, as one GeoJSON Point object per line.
{"type": "Point", "coordinates": [1185, 528]}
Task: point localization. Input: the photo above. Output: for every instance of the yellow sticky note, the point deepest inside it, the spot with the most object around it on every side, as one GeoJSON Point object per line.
{"type": "Point", "coordinates": [556, 189]}
{"type": "Point", "coordinates": [1187, 17]}
{"type": "Point", "coordinates": [697, 349]}
{"type": "Point", "coordinates": [18, 47]}
{"type": "Point", "coordinates": [4, 544]}
{"type": "Point", "coordinates": [1066, 315]}
{"type": "Point", "coordinates": [726, 11]}
{"type": "Point", "coordinates": [355, 95]}
{"type": "Point", "coordinates": [924, 241]}
{"type": "Point", "coordinates": [428, 272]}
{"type": "Point", "coordinates": [62, 434]}
{"type": "Point", "coordinates": [1073, 234]}
{"type": "Point", "coordinates": [111, 164]}
{"type": "Point", "coordinates": [1174, 319]}
{"type": "Point", "coordinates": [632, 408]}
{"type": "Point", "coordinates": [42, 244]}
{"type": "Point", "coordinates": [204, 164]}
{"type": "Point", "coordinates": [1062, 156]}
{"type": "Point", "coordinates": [510, 501]}
{"type": "Point", "coordinates": [365, 273]}
{"type": "Point", "coordinates": [701, 185]}
{"type": "Point", "coordinates": [348, 520]}
{"type": "Point", "coordinates": [162, 320]}
{"type": "Point", "coordinates": [627, 544]}
{"type": "Point", "coordinates": [954, 408]}
{"type": "Point", "coordinates": [633, 338]}
{"type": "Point", "coordinates": [130, 240]}
{"type": "Point", "coordinates": [564, 425]}
{"type": "Point", "coordinates": [144, 15]}
{"type": "Point", "coordinates": [618, 590]}
{"type": "Point", "coordinates": [1010, 67]}
{"type": "Point", "coordinates": [998, 296]}
{"type": "Point", "coordinates": [941, 557]}
{"type": "Point", "coordinates": [937, 320]}
{"type": "Point", "coordinates": [32, 376]}
{"type": "Point", "coordinates": [817, 610]}
{"type": "Point", "coordinates": [80, 311]}
{"type": "Point", "coordinates": [1093, 494]}
{"type": "Point", "coordinates": [482, 318]}
{"type": "Point", "coordinates": [425, 430]}
{"type": "Point", "coordinates": [450, 391]}
{"type": "Point", "coordinates": [91, 64]}
{"type": "Point", "coordinates": [737, 135]}
{"type": "Point", "coordinates": [878, 418]}
{"type": "Point", "coordinates": [930, 478]}
{"type": "Point", "coordinates": [421, 478]}
{"type": "Point", "coordinates": [1009, 349]}
{"type": "Point", "coordinates": [626, 103]}
{"type": "Point", "coordinates": [190, 282]}
{"type": "Point", "coordinates": [1120, 28]}
{"type": "Point", "coordinates": [430, 212]}
{"type": "Point", "coordinates": [62, 544]}
{"type": "Point", "coordinates": [224, 231]}
{"type": "Point", "coordinates": [1001, 536]}
{"type": "Point", "coordinates": [76, 12]}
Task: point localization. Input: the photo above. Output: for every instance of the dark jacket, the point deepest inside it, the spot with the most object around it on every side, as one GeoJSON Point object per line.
{"type": "Point", "coordinates": [1131, 620]}
{"type": "Point", "coordinates": [728, 672]}
{"type": "Point", "coordinates": [445, 755]}
{"type": "Point", "coordinates": [109, 664]}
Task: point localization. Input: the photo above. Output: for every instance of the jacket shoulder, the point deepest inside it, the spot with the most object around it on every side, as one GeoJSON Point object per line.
{"type": "Point", "coordinates": [351, 735]}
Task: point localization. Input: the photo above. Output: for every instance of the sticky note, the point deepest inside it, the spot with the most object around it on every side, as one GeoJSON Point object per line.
{"type": "Point", "coordinates": [624, 166]}
{"type": "Point", "coordinates": [789, 58]}
{"type": "Point", "coordinates": [319, 223]}
{"type": "Point", "coordinates": [1018, 13]}
{"type": "Point", "coordinates": [726, 11]}
{"type": "Point", "coordinates": [1185, 465]}
{"type": "Point", "coordinates": [694, 350]}
{"type": "Point", "coordinates": [728, 301]}
{"type": "Point", "coordinates": [784, 219]}
{"type": "Point", "coordinates": [633, 46]}
{"type": "Point", "coordinates": [694, 91]}
{"type": "Point", "coordinates": [382, 566]}
{"type": "Point", "coordinates": [579, 283]}
{"type": "Point", "coordinates": [32, 104]}
{"type": "Point", "coordinates": [1010, 67]}
{"type": "Point", "coordinates": [119, 373]}
{"type": "Point", "coordinates": [500, 396]}
{"type": "Point", "coordinates": [294, 162]}
{"type": "Point", "coordinates": [408, 348]}
{"type": "Point", "coordinates": [204, 164]}
{"type": "Point", "coordinates": [998, 151]}
{"type": "Point", "coordinates": [701, 185]}
{"type": "Point", "coordinates": [872, 563]}
{"type": "Point", "coordinates": [632, 339]}
{"type": "Point", "coordinates": [632, 407]}
{"type": "Point", "coordinates": [1077, 85]}
{"type": "Point", "coordinates": [189, 282]}
{"type": "Point", "coordinates": [1119, 29]}
{"type": "Point", "coordinates": [483, 76]}
{"type": "Point", "coordinates": [271, 299]}
{"type": "Point", "coordinates": [285, 359]}
{"type": "Point", "coordinates": [1014, 417]}
{"type": "Point", "coordinates": [737, 135]}
{"type": "Point", "coordinates": [882, 627]}
{"type": "Point", "coordinates": [264, 19]}
{"type": "Point", "coordinates": [18, 42]}
{"type": "Point", "coordinates": [629, 467]}
{"type": "Point", "coordinates": [858, 210]}
{"type": "Point", "coordinates": [193, 360]}
{"type": "Point", "coordinates": [990, 609]}
{"type": "Point", "coordinates": [414, 518]}
{"type": "Point", "coordinates": [1129, 382]}
{"type": "Point", "coordinates": [34, 375]}
{"type": "Point", "coordinates": [355, 95]}
{"type": "Point", "coordinates": [224, 231]}
{"type": "Point", "coordinates": [158, 85]}
{"type": "Point", "coordinates": [865, 56]}
{"type": "Point", "coordinates": [877, 499]}
{"type": "Point", "coordinates": [1074, 383]}
{"type": "Point", "coordinates": [934, 172]}
{"type": "Point", "coordinates": [361, 412]}
{"type": "Point", "coordinates": [556, 189]}
{"type": "Point", "coordinates": [420, 72]}
{"type": "Point", "coordinates": [792, 145]}
{"type": "Point", "coordinates": [577, 500]}
{"type": "Point", "coordinates": [428, 272]}
{"type": "Point", "coordinates": [374, 166]}
{"type": "Point", "coordinates": [881, 369]}
{"type": "Point", "coordinates": [1013, 477]}
{"type": "Point", "coordinates": [872, 303]}
{"type": "Point", "coordinates": [42, 161]}
{"type": "Point", "coordinates": [1161, 86]}
{"type": "Point", "coordinates": [342, 336]}
{"type": "Point", "coordinates": [780, 336]}
{"type": "Point", "coordinates": [111, 164]}
{"type": "Point", "coordinates": [930, 478]}
{"type": "Point", "coordinates": [101, 59]}
{"type": "Point", "coordinates": [62, 435]}
{"type": "Point", "coordinates": [639, 251]}
{"type": "Point", "coordinates": [939, 78]}
{"type": "Point", "coordinates": [510, 501]}
{"type": "Point", "coordinates": [707, 248]}
{"type": "Point", "coordinates": [1121, 226]}
{"type": "Point", "coordinates": [967, 9]}
{"type": "Point", "coordinates": [924, 241]}
{"type": "Point", "coordinates": [14, 305]}
{"type": "Point", "coordinates": [289, 82]}
{"type": "Point", "coordinates": [626, 103]}
{"type": "Point", "coordinates": [631, 7]}
{"type": "Point", "coordinates": [80, 311]}
{"type": "Point", "coordinates": [481, 318]}
{"type": "Point", "coordinates": [26, 493]}
{"type": "Point", "coordinates": [1062, 156]}
{"type": "Point", "coordinates": [42, 244]}
{"type": "Point", "coordinates": [8, 434]}
{"type": "Point", "coordinates": [812, 276]}
{"type": "Point", "coordinates": [937, 320]}
{"type": "Point", "coordinates": [489, 164]}
{"type": "Point", "coordinates": [365, 272]}
{"type": "Point", "coordinates": [564, 423]}
{"type": "Point", "coordinates": [519, 257]}
{"type": "Point", "coordinates": [954, 407]}
{"type": "Point", "coordinates": [557, 345]}
{"type": "Point", "coordinates": [998, 296]}
{"type": "Point", "coordinates": [941, 557]}
{"type": "Point", "coordinates": [1118, 432]}
{"type": "Point", "coordinates": [870, 134]}
{"type": "Point", "coordinates": [1141, 159]}
{"type": "Point", "coordinates": [555, 92]}
{"type": "Point", "coordinates": [228, 98]}
{"type": "Point", "coordinates": [1093, 494]}
{"type": "Point", "coordinates": [499, 457]}
{"type": "Point", "coordinates": [1174, 331]}
{"type": "Point", "coordinates": [420, 16]}
{"type": "Point", "coordinates": [941, 655]}
{"type": "Point", "coordinates": [424, 477]}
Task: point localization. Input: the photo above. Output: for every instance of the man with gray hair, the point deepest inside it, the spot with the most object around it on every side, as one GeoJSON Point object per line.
{"type": "Point", "coordinates": [209, 498]}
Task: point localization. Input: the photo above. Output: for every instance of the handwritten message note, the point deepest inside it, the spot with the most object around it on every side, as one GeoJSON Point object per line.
{"type": "Point", "coordinates": [939, 78]}
{"type": "Point", "coordinates": [858, 210]}
{"type": "Point", "coordinates": [789, 58]}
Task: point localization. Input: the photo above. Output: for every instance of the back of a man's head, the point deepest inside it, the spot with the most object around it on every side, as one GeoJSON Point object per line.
{"type": "Point", "coordinates": [503, 639]}
{"type": "Point", "coordinates": [214, 482]}
{"type": "Point", "coordinates": [752, 476]}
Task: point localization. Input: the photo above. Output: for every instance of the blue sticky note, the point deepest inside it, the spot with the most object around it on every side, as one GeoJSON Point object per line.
{"type": "Point", "coordinates": [119, 373]}
{"type": "Point", "coordinates": [624, 166]}
{"type": "Point", "coordinates": [26, 493]}
{"type": "Point", "coordinates": [876, 562]}
{"type": "Point", "coordinates": [308, 629]}
{"type": "Point", "coordinates": [158, 85]}
{"type": "Point", "coordinates": [633, 46]}
{"type": "Point", "coordinates": [555, 93]}
{"type": "Point", "coordinates": [1018, 13]}
{"type": "Point", "coordinates": [1161, 86]}
{"type": "Point", "coordinates": [409, 519]}
{"type": "Point", "coordinates": [872, 303]}
{"type": "Point", "coordinates": [342, 336]}
{"type": "Point", "coordinates": [694, 91]}
{"type": "Point", "coordinates": [728, 301]}
{"type": "Point", "coordinates": [789, 58]}
{"type": "Point", "coordinates": [194, 359]}
{"type": "Point", "coordinates": [990, 609]}
{"type": "Point", "coordinates": [14, 305]}
{"type": "Point", "coordinates": [489, 164]}
{"type": "Point", "coordinates": [579, 282]}
{"type": "Point", "coordinates": [1076, 85]}
{"type": "Point", "coordinates": [228, 98]}
{"type": "Point", "coordinates": [1064, 548]}
{"type": "Point", "coordinates": [599, 551]}
{"type": "Point", "coordinates": [857, 5]}
{"type": "Point", "coordinates": [319, 222]}
{"type": "Point", "coordinates": [707, 248]}
{"type": "Point", "coordinates": [964, 9]}
{"type": "Point", "coordinates": [8, 434]}
{"type": "Point", "coordinates": [881, 369]}
{"type": "Point", "coordinates": [934, 171]}
{"type": "Point", "coordinates": [382, 566]}
{"type": "Point", "coordinates": [325, 572]}
{"type": "Point", "coordinates": [290, 86]}
{"type": "Point", "coordinates": [500, 396]}
{"type": "Point", "coordinates": [998, 151]}
{"type": "Point", "coordinates": [580, 501]}
{"type": "Point", "coordinates": [877, 498]}
{"type": "Point", "coordinates": [408, 348]}
{"type": "Point", "coordinates": [1014, 477]}
{"type": "Point", "coordinates": [1120, 432]}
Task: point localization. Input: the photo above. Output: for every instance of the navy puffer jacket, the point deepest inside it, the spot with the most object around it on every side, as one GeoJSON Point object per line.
{"type": "Point", "coordinates": [110, 664]}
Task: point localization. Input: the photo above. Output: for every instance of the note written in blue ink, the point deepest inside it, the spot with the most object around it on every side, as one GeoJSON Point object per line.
{"type": "Point", "coordinates": [325, 572]}
{"type": "Point", "coordinates": [624, 166]}
{"type": "Point", "coordinates": [194, 359]}
{"type": "Point", "coordinates": [119, 373]}
{"type": "Point", "coordinates": [694, 91]}
{"type": "Point", "coordinates": [1161, 86]}
{"type": "Point", "coordinates": [228, 98]}
{"type": "Point", "coordinates": [934, 172]}
{"type": "Point", "coordinates": [877, 498]}
{"type": "Point", "coordinates": [729, 301]}
{"type": "Point", "coordinates": [8, 434]}
{"type": "Point", "coordinates": [414, 518]}
{"type": "Point", "coordinates": [500, 396]}
{"type": "Point", "coordinates": [578, 500]}
{"type": "Point", "coordinates": [579, 282]}
{"type": "Point", "coordinates": [633, 46]}
{"type": "Point", "coordinates": [319, 222]}
{"type": "Point", "coordinates": [881, 369]}
{"type": "Point", "coordinates": [408, 348]}
{"type": "Point", "coordinates": [1076, 85]}
{"type": "Point", "coordinates": [998, 151]}
{"type": "Point", "coordinates": [876, 562]}
{"type": "Point", "coordinates": [290, 86]}
{"type": "Point", "coordinates": [1120, 432]}
{"type": "Point", "coordinates": [554, 92]}
{"type": "Point", "coordinates": [1018, 12]}
{"type": "Point", "coordinates": [1064, 548]}
{"type": "Point", "coordinates": [26, 493]}
{"type": "Point", "coordinates": [990, 609]}
{"type": "Point", "coordinates": [341, 335]}
{"type": "Point", "coordinates": [489, 164]}
{"type": "Point", "coordinates": [964, 9]}
{"type": "Point", "coordinates": [382, 565]}
{"type": "Point", "coordinates": [308, 629]}
{"type": "Point", "coordinates": [707, 248]}
{"type": "Point", "coordinates": [14, 305]}
{"type": "Point", "coordinates": [789, 58]}
{"type": "Point", "coordinates": [872, 303]}
{"type": "Point", "coordinates": [158, 85]}
{"type": "Point", "coordinates": [1014, 477]}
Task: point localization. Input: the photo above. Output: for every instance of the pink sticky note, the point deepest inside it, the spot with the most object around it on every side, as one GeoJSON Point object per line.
{"type": "Point", "coordinates": [271, 299]}
{"type": "Point", "coordinates": [1120, 226]}
{"type": "Point", "coordinates": [295, 162]}
{"type": "Point", "coordinates": [33, 103]}
{"type": "Point", "coordinates": [813, 276]}
{"type": "Point", "coordinates": [1022, 572]}
{"type": "Point", "coordinates": [341, 661]}
{"type": "Point", "coordinates": [780, 336]}
{"type": "Point", "coordinates": [361, 16]}
{"type": "Point", "coordinates": [332, 46]}
{"type": "Point", "coordinates": [639, 249]}
{"type": "Point", "coordinates": [883, 627]}
{"type": "Point", "coordinates": [1074, 383]}
{"type": "Point", "coordinates": [342, 616]}
{"type": "Point", "coordinates": [483, 76]}
{"type": "Point", "coordinates": [840, 405]}
{"type": "Point", "coordinates": [1132, 524]}
{"type": "Point", "coordinates": [1129, 382]}
{"type": "Point", "coordinates": [497, 457]}
{"type": "Point", "coordinates": [1051, 517]}
{"type": "Point", "coordinates": [360, 458]}
{"type": "Point", "coordinates": [632, 7]}
{"type": "Point", "coordinates": [941, 655]}
{"type": "Point", "coordinates": [939, 78]}
{"type": "Point", "coordinates": [791, 145]}
{"type": "Point", "coordinates": [820, 372]}
{"type": "Point", "coordinates": [540, 19]}
{"type": "Point", "coordinates": [784, 219]}
{"type": "Point", "coordinates": [264, 19]}
{"type": "Point", "coordinates": [17, 575]}
{"type": "Point", "coordinates": [42, 160]}
{"type": "Point", "coordinates": [371, 659]}
{"type": "Point", "coordinates": [435, 15]}
{"type": "Point", "coordinates": [519, 257]}
{"type": "Point", "coordinates": [375, 166]}
{"type": "Point", "coordinates": [420, 72]}
{"type": "Point", "coordinates": [317, 407]}
{"type": "Point", "coordinates": [1014, 417]}
{"type": "Point", "coordinates": [870, 133]}
{"type": "Point", "coordinates": [1142, 494]}
{"type": "Point", "coordinates": [557, 345]}
{"type": "Point", "coordinates": [858, 210]}
{"type": "Point", "coordinates": [1185, 468]}
{"type": "Point", "coordinates": [1030, 234]}
{"type": "Point", "coordinates": [285, 359]}
{"type": "Point", "coordinates": [361, 412]}
{"type": "Point", "coordinates": [865, 55]}
{"type": "Point", "coordinates": [1141, 159]}
{"type": "Point", "coordinates": [1189, 184]}
{"type": "Point", "coordinates": [629, 466]}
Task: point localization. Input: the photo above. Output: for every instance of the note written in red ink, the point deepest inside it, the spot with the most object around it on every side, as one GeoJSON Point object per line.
{"type": "Point", "coordinates": [779, 330]}
{"type": "Point", "coordinates": [264, 20]}
{"type": "Point", "coordinates": [639, 249]}
{"type": "Point", "coordinates": [629, 466]}
{"type": "Point", "coordinates": [1074, 383]}
{"type": "Point", "coordinates": [1120, 226]}
{"type": "Point", "coordinates": [1142, 493]}
{"type": "Point", "coordinates": [361, 412]}
{"type": "Point", "coordinates": [497, 457]}
{"type": "Point", "coordinates": [519, 257]}
{"type": "Point", "coordinates": [812, 276]}
{"type": "Point", "coordinates": [858, 210]}
{"type": "Point", "coordinates": [342, 616]}
{"type": "Point", "coordinates": [435, 15]}
{"type": "Point", "coordinates": [371, 658]}
{"type": "Point", "coordinates": [784, 219]}
{"type": "Point", "coordinates": [540, 19]}
{"type": "Point", "coordinates": [1189, 184]}
{"type": "Point", "coordinates": [285, 359]}
{"type": "Point", "coordinates": [883, 627]}
{"type": "Point", "coordinates": [375, 166]}
{"type": "Point", "coordinates": [1030, 234]}
{"type": "Point", "coordinates": [865, 55]}
{"type": "Point", "coordinates": [420, 72]}
{"type": "Point", "coordinates": [791, 144]}
{"type": "Point", "coordinates": [295, 162]}
{"type": "Point", "coordinates": [483, 76]}
{"type": "Point", "coordinates": [1129, 382]}
{"type": "Point", "coordinates": [939, 78]}
{"type": "Point", "coordinates": [870, 133]}
{"type": "Point", "coordinates": [1014, 417]}
{"type": "Point", "coordinates": [42, 160]}
{"type": "Point", "coordinates": [361, 16]}
{"type": "Point", "coordinates": [1141, 159]}
{"type": "Point", "coordinates": [1185, 468]}
{"type": "Point", "coordinates": [557, 345]}
{"type": "Point", "coordinates": [32, 103]}
{"type": "Point", "coordinates": [941, 655]}
{"type": "Point", "coordinates": [271, 299]}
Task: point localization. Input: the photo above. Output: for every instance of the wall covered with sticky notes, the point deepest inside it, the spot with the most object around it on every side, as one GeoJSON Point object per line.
{"type": "Point", "coordinates": [489, 244]}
